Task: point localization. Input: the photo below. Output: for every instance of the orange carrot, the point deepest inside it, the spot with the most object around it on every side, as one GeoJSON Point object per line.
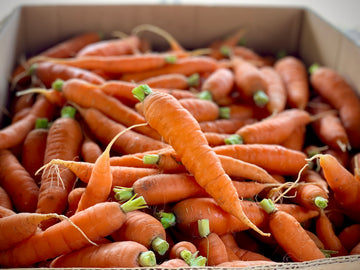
{"type": "Point", "coordinates": [116, 254]}
{"type": "Point", "coordinates": [250, 82]}
{"type": "Point", "coordinates": [48, 72]}
{"type": "Point", "coordinates": [104, 218]}
{"type": "Point", "coordinates": [355, 250]}
{"type": "Point", "coordinates": [186, 251]}
{"type": "Point", "coordinates": [275, 90]}
{"type": "Point", "coordinates": [220, 83]}
{"type": "Point", "coordinates": [297, 140]}
{"type": "Point", "coordinates": [111, 47]}
{"type": "Point", "coordinates": [104, 129]}
{"type": "Point", "coordinates": [294, 75]}
{"type": "Point", "coordinates": [90, 149]}
{"type": "Point", "coordinates": [170, 81]}
{"type": "Point", "coordinates": [275, 129]}
{"type": "Point", "coordinates": [5, 200]}
{"type": "Point", "coordinates": [63, 141]}
{"type": "Point", "coordinates": [326, 233]}
{"type": "Point", "coordinates": [18, 227]}
{"type": "Point", "coordinates": [18, 183]}
{"type": "Point", "coordinates": [309, 195]}
{"type": "Point", "coordinates": [350, 236]}
{"type": "Point", "coordinates": [186, 66]}
{"type": "Point", "coordinates": [202, 110]}
{"type": "Point", "coordinates": [144, 229]}
{"type": "Point", "coordinates": [228, 126]}
{"type": "Point", "coordinates": [287, 231]}
{"type": "Point", "coordinates": [35, 142]}
{"type": "Point", "coordinates": [345, 99]}
{"type": "Point", "coordinates": [273, 158]}
{"type": "Point", "coordinates": [5, 212]}
{"type": "Point", "coordinates": [73, 200]}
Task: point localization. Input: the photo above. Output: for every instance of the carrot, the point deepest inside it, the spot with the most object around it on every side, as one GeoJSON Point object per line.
{"type": "Point", "coordinates": [210, 245]}
{"type": "Point", "coordinates": [273, 158]}
{"type": "Point", "coordinates": [171, 81]}
{"type": "Point", "coordinates": [243, 254]}
{"type": "Point", "coordinates": [101, 179]}
{"type": "Point", "coordinates": [275, 129]}
{"type": "Point", "coordinates": [345, 99]}
{"type": "Point", "coordinates": [328, 126]}
{"type": "Point", "coordinates": [173, 263]}
{"type": "Point", "coordinates": [297, 140]}
{"type": "Point", "coordinates": [287, 231]}
{"type": "Point", "coordinates": [35, 142]}
{"type": "Point", "coordinates": [355, 250]}
{"type": "Point", "coordinates": [216, 139]}
{"type": "Point", "coordinates": [342, 183]}
{"type": "Point", "coordinates": [144, 229]}
{"type": "Point", "coordinates": [91, 224]}
{"type": "Point", "coordinates": [17, 182]}
{"type": "Point", "coordinates": [192, 147]}
{"type": "Point", "coordinates": [18, 227]}
{"type": "Point", "coordinates": [294, 75]}
{"type": "Point", "coordinates": [350, 236]}
{"type": "Point", "coordinates": [5, 200]}
{"type": "Point", "coordinates": [241, 111]}
{"type": "Point", "coordinates": [228, 126]}
{"type": "Point", "coordinates": [104, 129]}
{"type": "Point", "coordinates": [63, 141]}
{"type": "Point", "coordinates": [313, 177]}
{"type": "Point", "coordinates": [275, 90]}
{"type": "Point", "coordinates": [74, 197]}
{"type": "Point", "coordinates": [186, 66]}
{"type": "Point", "coordinates": [20, 102]}
{"type": "Point", "coordinates": [326, 233]}
{"type": "Point", "coordinates": [90, 149]}
{"type": "Point", "coordinates": [188, 252]}
{"type": "Point", "coordinates": [116, 254]}
{"type": "Point", "coordinates": [108, 105]}
{"type": "Point", "coordinates": [48, 72]}
{"type": "Point", "coordinates": [15, 134]}
{"type": "Point", "coordinates": [220, 83]}
{"type": "Point", "coordinates": [52, 95]}
{"type": "Point", "coordinates": [5, 212]}
{"type": "Point", "coordinates": [202, 110]}
{"type": "Point", "coordinates": [111, 47]}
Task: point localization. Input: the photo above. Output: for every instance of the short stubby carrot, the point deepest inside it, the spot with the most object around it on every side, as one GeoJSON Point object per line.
{"type": "Point", "coordinates": [170, 81]}
{"type": "Point", "coordinates": [115, 254]}
{"type": "Point", "coordinates": [220, 83]}
{"type": "Point", "coordinates": [324, 80]}
{"type": "Point", "coordinates": [162, 112]}
{"type": "Point", "coordinates": [17, 182]}
{"type": "Point", "coordinates": [48, 72]}
{"type": "Point", "coordinates": [294, 75]}
{"type": "Point", "coordinates": [202, 110]}
{"type": "Point", "coordinates": [275, 159]}
{"type": "Point", "coordinates": [64, 237]}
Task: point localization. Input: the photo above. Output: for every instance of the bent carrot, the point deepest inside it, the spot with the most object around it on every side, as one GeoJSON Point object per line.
{"type": "Point", "coordinates": [115, 254]}
{"type": "Point", "coordinates": [287, 230]}
{"type": "Point", "coordinates": [17, 182]}
{"type": "Point", "coordinates": [192, 147]}
{"type": "Point", "coordinates": [104, 219]}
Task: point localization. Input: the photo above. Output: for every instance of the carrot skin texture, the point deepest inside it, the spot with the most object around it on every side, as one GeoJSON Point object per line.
{"type": "Point", "coordinates": [18, 183]}
{"type": "Point", "coordinates": [115, 254]}
{"type": "Point", "coordinates": [213, 248]}
{"type": "Point", "coordinates": [104, 217]}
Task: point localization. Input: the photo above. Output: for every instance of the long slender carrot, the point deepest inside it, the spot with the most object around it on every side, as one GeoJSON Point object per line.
{"type": "Point", "coordinates": [91, 224]}
{"type": "Point", "coordinates": [104, 129]}
{"type": "Point", "coordinates": [326, 233]}
{"type": "Point", "coordinates": [48, 72]}
{"type": "Point", "coordinates": [63, 141]}
{"type": "Point", "coordinates": [170, 81]}
{"type": "Point", "coordinates": [294, 75]}
{"type": "Point", "coordinates": [35, 142]}
{"type": "Point", "coordinates": [17, 182]}
{"type": "Point", "coordinates": [116, 254]}
{"type": "Point", "coordinates": [111, 47]}
{"type": "Point", "coordinates": [287, 230]}
{"type": "Point", "coordinates": [192, 147]}
{"type": "Point", "coordinates": [275, 129]}
{"type": "Point", "coordinates": [273, 158]}
{"type": "Point", "coordinates": [345, 99]}
{"type": "Point", "coordinates": [145, 229]}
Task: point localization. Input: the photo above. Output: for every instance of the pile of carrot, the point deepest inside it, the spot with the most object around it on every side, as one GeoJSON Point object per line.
{"type": "Point", "coordinates": [115, 154]}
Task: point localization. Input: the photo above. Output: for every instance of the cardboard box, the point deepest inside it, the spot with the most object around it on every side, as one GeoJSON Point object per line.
{"type": "Point", "coordinates": [31, 29]}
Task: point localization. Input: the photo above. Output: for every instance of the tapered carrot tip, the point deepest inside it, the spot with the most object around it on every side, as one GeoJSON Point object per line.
{"type": "Point", "coordinates": [260, 98]}
{"type": "Point", "coordinates": [224, 112]}
{"type": "Point", "coordinates": [167, 219]}
{"type": "Point", "coordinates": [141, 91]}
{"type": "Point", "coordinates": [206, 95]}
{"type": "Point", "coordinates": [122, 194]}
{"type": "Point", "coordinates": [234, 139]}
{"type": "Point", "coordinates": [147, 259]}
{"type": "Point", "coordinates": [321, 202]}
{"type": "Point", "coordinates": [159, 245]}
{"type": "Point", "coordinates": [268, 205]}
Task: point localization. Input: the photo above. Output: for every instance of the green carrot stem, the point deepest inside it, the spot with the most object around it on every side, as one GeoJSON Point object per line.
{"type": "Point", "coordinates": [68, 111]}
{"type": "Point", "coordinates": [203, 227]}
{"type": "Point", "coordinates": [171, 59]}
{"type": "Point", "coordinates": [123, 194]}
{"type": "Point", "coordinates": [198, 261]}
{"type": "Point", "coordinates": [151, 159]}
{"type": "Point", "coordinates": [41, 123]}
{"type": "Point", "coordinates": [268, 205]}
{"type": "Point", "coordinates": [313, 67]}
{"type": "Point", "coordinates": [260, 98]}
{"type": "Point", "coordinates": [193, 80]}
{"type": "Point", "coordinates": [134, 204]}
{"type": "Point", "coordinates": [225, 51]}
{"type": "Point", "coordinates": [206, 95]}
{"type": "Point", "coordinates": [186, 255]}
{"type": "Point", "coordinates": [234, 139]}
{"type": "Point", "coordinates": [224, 112]}
{"type": "Point", "coordinates": [321, 202]}
{"type": "Point", "coordinates": [147, 259]}
{"type": "Point", "coordinates": [328, 252]}
{"type": "Point", "coordinates": [141, 91]}
{"type": "Point", "coordinates": [159, 245]}
{"type": "Point", "coordinates": [57, 85]}
{"type": "Point", "coordinates": [167, 219]}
